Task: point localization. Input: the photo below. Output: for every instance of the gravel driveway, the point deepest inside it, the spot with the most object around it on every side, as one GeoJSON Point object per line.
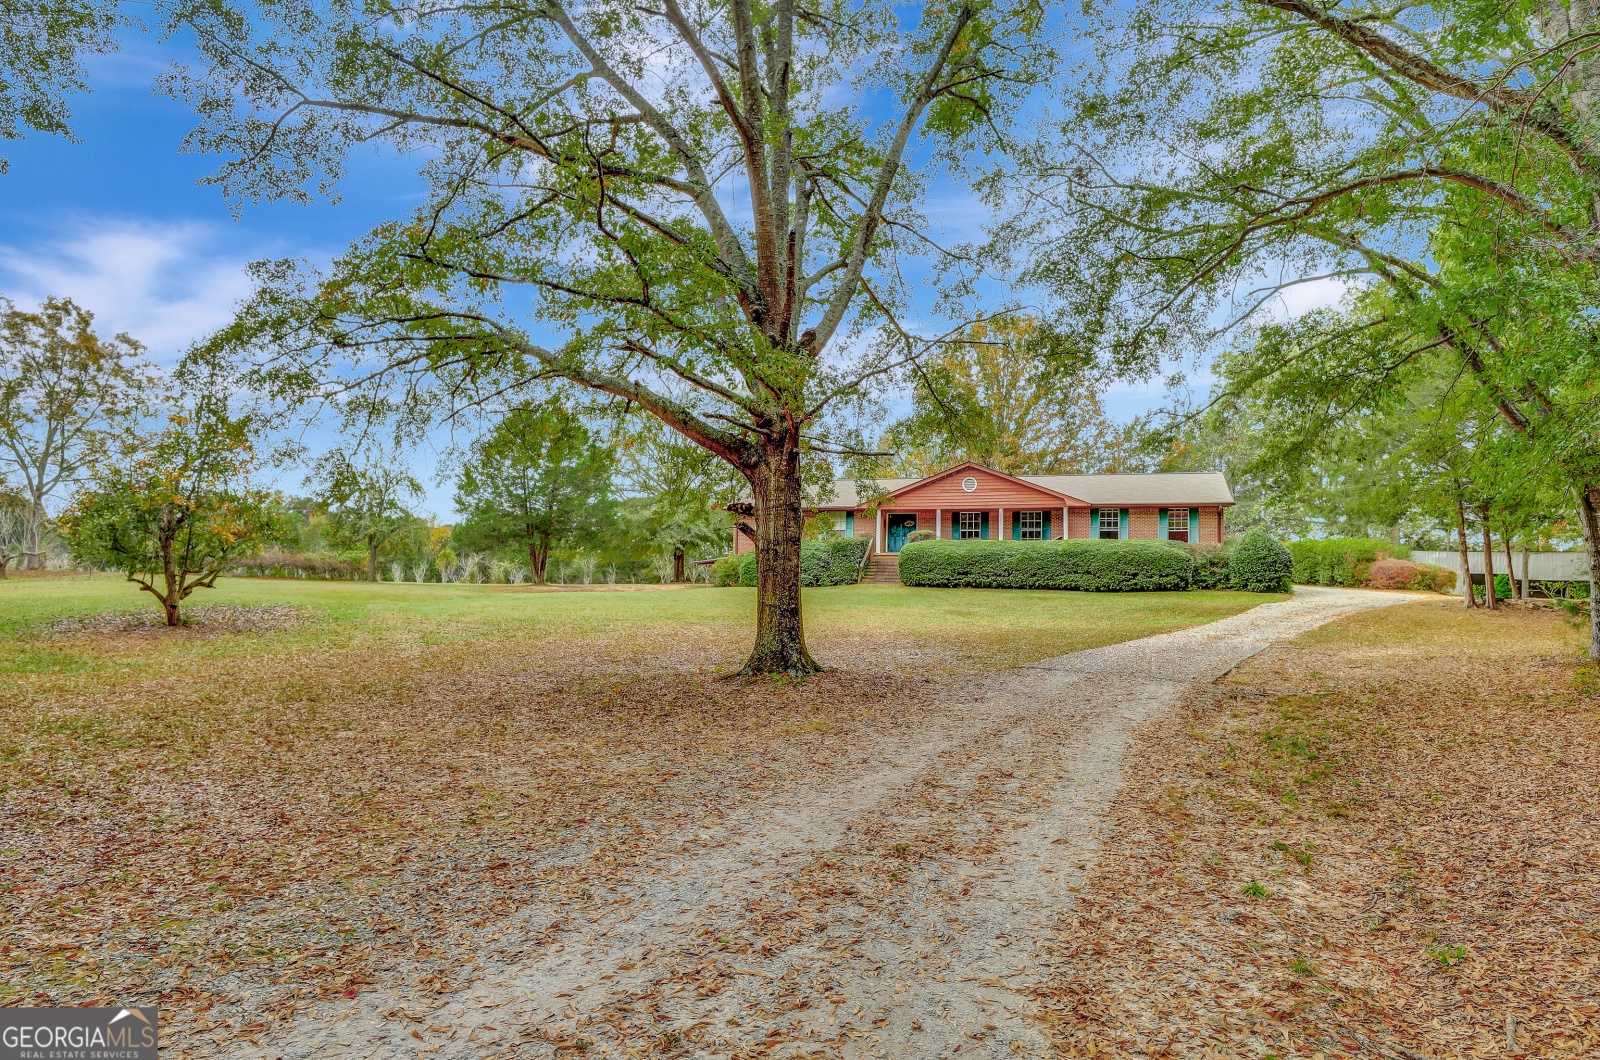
{"type": "Point", "coordinates": [893, 915]}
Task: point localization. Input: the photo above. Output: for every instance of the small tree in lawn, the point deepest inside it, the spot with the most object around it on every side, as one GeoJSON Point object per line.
{"type": "Point", "coordinates": [537, 479]}
{"type": "Point", "coordinates": [714, 203]}
{"type": "Point", "coordinates": [366, 500]}
{"type": "Point", "coordinates": [174, 509]}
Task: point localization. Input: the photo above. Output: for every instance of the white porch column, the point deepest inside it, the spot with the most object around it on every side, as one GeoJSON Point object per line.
{"type": "Point", "coordinates": [877, 538]}
{"type": "Point", "coordinates": [938, 520]}
{"type": "Point", "coordinates": [1066, 527]}
{"type": "Point", "coordinates": [1002, 535]}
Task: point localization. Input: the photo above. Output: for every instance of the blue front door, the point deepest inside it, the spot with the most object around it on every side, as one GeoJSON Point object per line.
{"type": "Point", "coordinates": [899, 527]}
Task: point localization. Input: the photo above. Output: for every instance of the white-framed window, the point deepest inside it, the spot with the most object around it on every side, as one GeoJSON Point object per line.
{"type": "Point", "coordinates": [969, 524]}
{"type": "Point", "coordinates": [1110, 522]}
{"type": "Point", "coordinates": [1030, 526]}
{"type": "Point", "coordinates": [1177, 524]}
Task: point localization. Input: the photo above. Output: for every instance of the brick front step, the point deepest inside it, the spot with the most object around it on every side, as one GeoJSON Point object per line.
{"type": "Point", "coordinates": [883, 569]}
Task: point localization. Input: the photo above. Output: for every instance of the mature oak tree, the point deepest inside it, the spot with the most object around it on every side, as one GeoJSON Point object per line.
{"type": "Point", "coordinates": [1013, 397]}
{"type": "Point", "coordinates": [1442, 152]}
{"type": "Point", "coordinates": [713, 199]}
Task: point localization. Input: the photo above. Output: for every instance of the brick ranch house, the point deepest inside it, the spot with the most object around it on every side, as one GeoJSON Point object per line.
{"type": "Point", "coordinates": [973, 501]}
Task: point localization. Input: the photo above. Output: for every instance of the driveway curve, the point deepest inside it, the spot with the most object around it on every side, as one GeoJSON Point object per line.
{"type": "Point", "coordinates": [893, 915]}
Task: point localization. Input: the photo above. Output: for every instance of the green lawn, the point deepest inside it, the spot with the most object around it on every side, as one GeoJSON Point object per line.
{"type": "Point", "coordinates": [943, 628]}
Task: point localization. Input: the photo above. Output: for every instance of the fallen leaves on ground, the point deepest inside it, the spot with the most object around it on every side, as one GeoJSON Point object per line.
{"type": "Point", "coordinates": [1380, 840]}
{"type": "Point", "coordinates": [237, 837]}
{"type": "Point", "coordinates": [210, 619]}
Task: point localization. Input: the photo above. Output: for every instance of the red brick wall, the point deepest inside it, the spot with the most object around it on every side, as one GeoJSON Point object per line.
{"type": "Point", "coordinates": [1078, 522]}
{"type": "Point", "coordinates": [1144, 523]}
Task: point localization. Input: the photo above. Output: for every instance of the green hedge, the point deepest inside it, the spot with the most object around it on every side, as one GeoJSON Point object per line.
{"type": "Point", "coordinates": [1259, 563]}
{"type": "Point", "coordinates": [1341, 560]}
{"type": "Point", "coordinates": [1084, 564]}
{"type": "Point", "coordinates": [1210, 566]}
{"type": "Point", "coordinates": [725, 571]}
{"type": "Point", "coordinates": [826, 561]}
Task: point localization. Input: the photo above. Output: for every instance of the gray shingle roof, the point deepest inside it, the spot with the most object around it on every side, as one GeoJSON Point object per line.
{"type": "Point", "coordinates": [1166, 489]}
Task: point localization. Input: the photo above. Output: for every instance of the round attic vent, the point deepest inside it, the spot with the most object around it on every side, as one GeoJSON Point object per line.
{"type": "Point", "coordinates": [969, 483]}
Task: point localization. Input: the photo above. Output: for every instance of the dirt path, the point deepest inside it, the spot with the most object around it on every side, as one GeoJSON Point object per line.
{"type": "Point", "coordinates": [893, 915]}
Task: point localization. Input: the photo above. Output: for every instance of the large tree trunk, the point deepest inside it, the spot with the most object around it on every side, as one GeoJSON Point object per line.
{"type": "Point", "coordinates": [1466, 559]}
{"type": "Point", "coordinates": [1527, 593]}
{"type": "Point", "coordinates": [372, 558]}
{"type": "Point", "coordinates": [537, 559]}
{"type": "Point", "coordinates": [1588, 500]}
{"type": "Point", "coordinates": [1488, 561]}
{"type": "Point", "coordinates": [780, 635]}
{"type": "Point", "coordinates": [677, 564]}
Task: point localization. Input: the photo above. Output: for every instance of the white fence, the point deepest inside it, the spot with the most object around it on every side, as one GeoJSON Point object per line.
{"type": "Point", "coordinates": [1542, 566]}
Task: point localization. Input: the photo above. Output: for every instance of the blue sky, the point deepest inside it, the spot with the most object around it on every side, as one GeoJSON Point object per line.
{"type": "Point", "coordinates": [121, 223]}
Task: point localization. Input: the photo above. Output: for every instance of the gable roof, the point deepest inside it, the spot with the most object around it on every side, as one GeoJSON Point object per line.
{"type": "Point", "coordinates": [1164, 488]}
{"type": "Point", "coordinates": [1034, 482]}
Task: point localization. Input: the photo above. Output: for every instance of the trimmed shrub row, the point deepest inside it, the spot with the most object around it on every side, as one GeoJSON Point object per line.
{"type": "Point", "coordinates": [1341, 560]}
{"type": "Point", "coordinates": [1086, 565]}
{"type": "Point", "coordinates": [828, 561]}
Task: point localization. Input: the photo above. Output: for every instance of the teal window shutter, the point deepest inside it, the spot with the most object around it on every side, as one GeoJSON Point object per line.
{"type": "Point", "coordinates": [1161, 524]}
{"type": "Point", "coordinates": [850, 524]}
{"type": "Point", "coordinates": [1016, 526]}
{"type": "Point", "coordinates": [1047, 525]}
{"type": "Point", "coordinates": [984, 533]}
{"type": "Point", "coordinates": [1094, 522]}
{"type": "Point", "coordinates": [1122, 526]}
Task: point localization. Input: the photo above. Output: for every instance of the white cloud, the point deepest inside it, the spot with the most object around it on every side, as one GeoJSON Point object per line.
{"type": "Point", "coordinates": [1302, 298]}
{"type": "Point", "coordinates": [165, 283]}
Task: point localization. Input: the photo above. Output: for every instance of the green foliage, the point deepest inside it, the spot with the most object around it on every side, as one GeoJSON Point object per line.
{"type": "Point", "coordinates": [1340, 560]}
{"type": "Point", "coordinates": [827, 561]}
{"type": "Point", "coordinates": [173, 510]}
{"type": "Point", "coordinates": [1015, 396]}
{"type": "Point", "coordinates": [725, 571]}
{"type": "Point", "coordinates": [1085, 565]}
{"type": "Point", "coordinates": [1210, 566]}
{"type": "Point", "coordinates": [66, 394]}
{"type": "Point", "coordinates": [537, 481]}
{"type": "Point", "coordinates": [921, 535]}
{"type": "Point", "coordinates": [41, 47]}
{"type": "Point", "coordinates": [366, 500]}
{"type": "Point", "coordinates": [1502, 587]}
{"type": "Point", "coordinates": [1254, 890]}
{"type": "Point", "coordinates": [1259, 563]}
